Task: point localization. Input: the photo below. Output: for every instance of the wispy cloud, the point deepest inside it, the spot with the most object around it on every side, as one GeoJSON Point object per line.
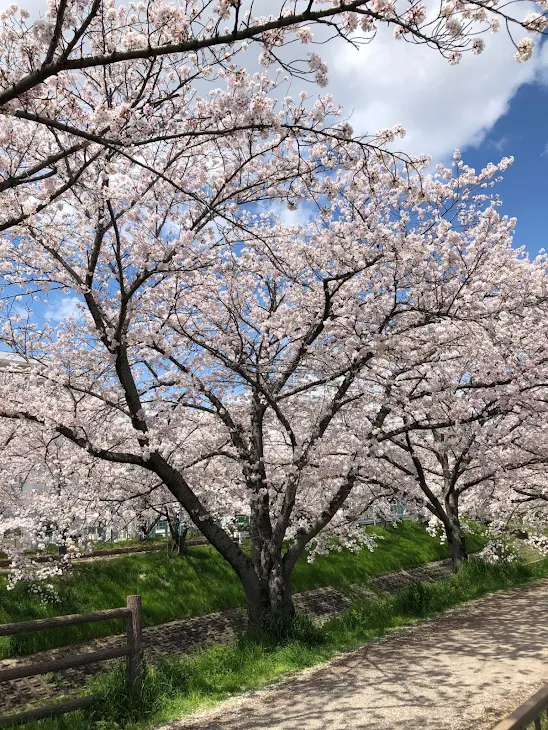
{"type": "Point", "coordinates": [63, 309]}
{"type": "Point", "coordinates": [498, 144]}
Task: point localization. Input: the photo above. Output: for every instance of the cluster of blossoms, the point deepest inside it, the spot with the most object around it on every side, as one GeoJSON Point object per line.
{"type": "Point", "coordinates": [539, 543]}
{"type": "Point", "coordinates": [498, 552]}
{"type": "Point", "coordinates": [319, 67]}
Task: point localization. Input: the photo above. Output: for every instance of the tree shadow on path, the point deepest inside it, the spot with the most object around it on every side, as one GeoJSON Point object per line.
{"type": "Point", "coordinates": [449, 673]}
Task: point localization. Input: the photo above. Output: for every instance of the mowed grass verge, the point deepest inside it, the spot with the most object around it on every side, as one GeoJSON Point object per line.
{"type": "Point", "coordinates": [201, 582]}
{"type": "Point", "coordinates": [181, 686]}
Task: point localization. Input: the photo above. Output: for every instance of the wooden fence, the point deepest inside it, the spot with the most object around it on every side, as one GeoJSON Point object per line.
{"type": "Point", "coordinates": [132, 650]}
{"type": "Point", "coordinates": [5, 562]}
{"type": "Point", "coordinates": [532, 714]}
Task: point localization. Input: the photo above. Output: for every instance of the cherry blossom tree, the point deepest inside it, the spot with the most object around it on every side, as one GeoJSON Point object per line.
{"type": "Point", "coordinates": [518, 505]}
{"type": "Point", "coordinates": [246, 365]}
{"type": "Point", "coordinates": [219, 355]}
{"type": "Point", "coordinates": [465, 468]}
{"type": "Point", "coordinates": [158, 504]}
{"type": "Point", "coordinates": [489, 377]}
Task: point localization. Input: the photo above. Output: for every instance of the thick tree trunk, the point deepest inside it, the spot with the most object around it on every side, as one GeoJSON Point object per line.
{"type": "Point", "coordinates": [264, 578]}
{"type": "Point", "coordinates": [455, 534]}
{"type": "Point", "coordinates": [457, 547]}
{"type": "Point", "coordinates": [279, 591]}
{"type": "Point", "coordinates": [256, 599]}
{"type": "Point", "coordinates": [269, 594]}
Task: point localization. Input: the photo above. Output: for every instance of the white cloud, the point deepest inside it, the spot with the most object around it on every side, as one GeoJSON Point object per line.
{"type": "Point", "coordinates": [63, 309]}
{"type": "Point", "coordinates": [442, 107]}
{"type": "Point", "coordinates": [543, 65]}
{"type": "Point", "coordinates": [301, 216]}
{"type": "Point", "coordinates": [500, 144]}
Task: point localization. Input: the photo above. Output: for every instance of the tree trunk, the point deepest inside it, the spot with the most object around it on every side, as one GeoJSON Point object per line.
{"type": "Point", "coordinates": [455, 535]}
{"type": "Point", "coordinates": [264, 578]}
{"type": "Point", "coordinates": [457, 547]}
{"type": "Point", "coordinates": [177, 535]}
{"type": "Point", "coordinates": [146, 529]}
{"type": "Point", "coordinates": [144, 532]}
{"type": "Point", "coordinates": [279, 591]}
{"type": "Point", "coordinates": [178, 541]}
{"type": "Point", "coordinates": [62, 548]}
{"type": "Point", "coordinates": [269, 595]}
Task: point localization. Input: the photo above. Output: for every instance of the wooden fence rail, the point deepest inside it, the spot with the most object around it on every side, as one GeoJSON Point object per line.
{"type": "Point", "coordinates": [532, 714]}
{"type": "Point", "coordinates": [132, 650]}
{"type": "Point", "coordinates": [5, 562]}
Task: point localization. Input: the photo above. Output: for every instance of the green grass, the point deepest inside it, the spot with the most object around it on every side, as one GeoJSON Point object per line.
{"type": "Point", "coordinates": [114, 544]}
{"type": "Point", "coordinates": [99, 545]}
{"type": "Point", "coordinates": [182, 686]}
{"type": "Point", "coordinates": [405, 545]}
{"type": "Point", "coordinates": [198, 583]}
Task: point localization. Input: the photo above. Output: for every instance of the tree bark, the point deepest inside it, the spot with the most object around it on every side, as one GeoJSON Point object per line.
{"type": "Point", "coordinates": [274, 594]}
{"type": "Point", "coordinates": [269, 594]}
{"type": "Point", "coordinates": [455, 534]}
{"type": "Point", "coordinates": [178, 541]}
{"type": "Point", "coordinates": [457, 547]}
{"type": "Point", "coordinates": [146, 529]}
{"type": "Point", "coordinates": [63, 545]}
{"type": "Point", "coordinates": [279, 590]}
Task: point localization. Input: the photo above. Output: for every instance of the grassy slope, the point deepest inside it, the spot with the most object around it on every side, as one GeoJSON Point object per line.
{"type": "Point", "coordinates": [201, 582]}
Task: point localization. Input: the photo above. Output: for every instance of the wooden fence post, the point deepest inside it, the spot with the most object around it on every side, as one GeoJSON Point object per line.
{"type": "Point", "coordinates": [134, 640]}
{"type": "Point", "coordinates": [131, 613]}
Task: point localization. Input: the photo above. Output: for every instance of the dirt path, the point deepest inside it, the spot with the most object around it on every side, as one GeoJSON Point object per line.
{"type": "Point", "coordinates": [463, 670]}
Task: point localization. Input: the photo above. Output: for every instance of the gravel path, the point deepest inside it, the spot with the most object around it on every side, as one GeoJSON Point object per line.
{"type": "Point", "coordinates": [462, 671]}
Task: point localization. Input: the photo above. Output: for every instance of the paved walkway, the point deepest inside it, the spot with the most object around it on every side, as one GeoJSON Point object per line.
{"type": "Point", "coordinates": [462, 671]}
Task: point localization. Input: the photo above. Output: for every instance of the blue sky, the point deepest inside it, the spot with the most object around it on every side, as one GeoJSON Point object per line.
{"type": "Point", "coordinates": [523, 133]}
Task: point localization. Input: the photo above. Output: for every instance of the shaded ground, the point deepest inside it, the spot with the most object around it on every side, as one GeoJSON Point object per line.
{"type": "Point", "coordinates": [428, 573]}
{"type": "Point", "coordinates": [463, 670]}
